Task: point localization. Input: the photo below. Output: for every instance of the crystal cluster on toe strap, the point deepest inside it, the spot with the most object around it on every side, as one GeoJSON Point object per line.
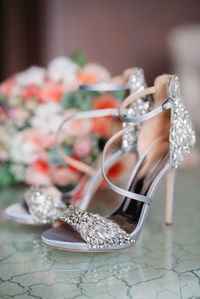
{"type": "Point", "coordinates": [43, 207]}
{"type": "Point", "coordinates": [139, 107]}
{"type": "Point", "coordinates": [97, 231]}
{"type": "Point", "coordinates": [182, 134]}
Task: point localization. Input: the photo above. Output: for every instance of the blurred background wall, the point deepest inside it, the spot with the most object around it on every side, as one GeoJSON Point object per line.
{"type": "Point", "coordinates": [115, 33]}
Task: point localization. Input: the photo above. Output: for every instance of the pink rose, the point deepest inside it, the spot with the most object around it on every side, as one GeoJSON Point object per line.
{"type": "Point", "coordinates": [82, 147]}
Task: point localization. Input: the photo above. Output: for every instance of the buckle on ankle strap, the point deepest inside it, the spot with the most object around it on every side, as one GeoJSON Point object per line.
{"type": "Point", "coordinates": [167, 104]}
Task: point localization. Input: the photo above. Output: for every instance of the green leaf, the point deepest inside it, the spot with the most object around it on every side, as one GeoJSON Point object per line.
{"type": "Point", "coordinates": [119, 95]}
{"type": "Point", "coordinates": [66, 188]}
{"type": "Point", "coordinates": [6, 178]}
{"type": "Point", "coordinates": [55, 159]}
{"type": "Point", "coordinates": [4, 101]}
{"type": "Point", "coordinates": [85, 104]}
{"type": "Point", "coordinates": [69, 100]}
{"type": "Point", "coordinates": [79, 58]}
{"type": "Point", "coordinates": [90, 94]}
{"type": "Point", "coordinates": [81, 100]}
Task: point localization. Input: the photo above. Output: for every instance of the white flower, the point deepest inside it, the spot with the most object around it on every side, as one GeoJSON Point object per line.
{"type": "Point", "coordinates": [63, 69]}
{"type": "Point", "coordinates": [33, 75]}
{"type": "Point", "coordinates": [22, 151]}
{"type": "Point", "coordinates": [100, 72]}
{"type": "Point", "coordinates": [19, 171]}
{"type": "Point", "coordinates": [47, 118]}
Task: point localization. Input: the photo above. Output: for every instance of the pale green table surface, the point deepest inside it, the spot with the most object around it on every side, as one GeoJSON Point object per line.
{"type": "Point", "coordinates": [164, 264]}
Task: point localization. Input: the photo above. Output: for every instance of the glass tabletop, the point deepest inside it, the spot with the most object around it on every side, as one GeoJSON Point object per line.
{"type": "Point", "coordinates": [165, 262]}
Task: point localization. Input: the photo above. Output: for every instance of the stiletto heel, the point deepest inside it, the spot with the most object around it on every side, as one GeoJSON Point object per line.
{"type": "Point", "coordinates": [165, 138]}
{"type": "Point", "coordinates": [170, 190]}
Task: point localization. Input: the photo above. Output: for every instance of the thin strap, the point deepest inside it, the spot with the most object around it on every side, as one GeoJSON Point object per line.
{"type": "Point", "coordinates": [142, 159]}
{"type": "Point", "coordinates": [165, 106]}
{"type": "Point", "coordinates": [105, 87]}
{"type": "Point", "coordinates": [115, 188]}
{"type": "Point", "coordinates": [82, 115]}
{"type": "Point", "coordinates": [96, 179]}
{"type": "Point", "coordinates": [140, 94]}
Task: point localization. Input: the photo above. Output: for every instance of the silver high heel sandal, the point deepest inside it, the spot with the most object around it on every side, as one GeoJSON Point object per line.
{"type": "Point", "coordinates": [43, 203]}
{"type": "Point", "coordinates": [166, 137]}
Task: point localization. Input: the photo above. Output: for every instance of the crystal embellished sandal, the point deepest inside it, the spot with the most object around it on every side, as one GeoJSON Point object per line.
{"type": "Point", "coordinates": [43, 203]}
{"type": "Point", "coordinates": [166, 137]}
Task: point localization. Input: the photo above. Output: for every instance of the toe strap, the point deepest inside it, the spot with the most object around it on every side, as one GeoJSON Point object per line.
{"type": "Point", "coordinates": [97, 231]}
{"type": "Point", "coordinates": [42, 206]}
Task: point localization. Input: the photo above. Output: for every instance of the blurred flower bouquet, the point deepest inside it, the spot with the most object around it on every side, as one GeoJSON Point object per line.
{"type": "Point", "coordinates": [33, 103]}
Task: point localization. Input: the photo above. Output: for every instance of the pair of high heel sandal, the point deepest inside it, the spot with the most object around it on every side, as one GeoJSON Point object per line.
{"type": "Point", "coordinates": [158, 127]}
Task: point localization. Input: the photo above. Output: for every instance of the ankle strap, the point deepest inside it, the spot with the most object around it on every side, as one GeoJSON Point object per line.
{"type": "Point", "coordinates": [136, 81]}
{"type": "Point", "coordinates": [165, 106]}
{"type": "Point", "coordinates": [83, 167]}
{"type": "Point", "coordinates": [105, 87]}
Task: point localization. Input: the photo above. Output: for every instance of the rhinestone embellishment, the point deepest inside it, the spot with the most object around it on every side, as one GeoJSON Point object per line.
{"type": "Point", "coordinates": [139, 107]}
{"type": "Point", "coordinates": [97, 231]}
{"type": "Point", "coordinates": [43, 207]}
{"type": "Point", "coordinates": [182, 135]}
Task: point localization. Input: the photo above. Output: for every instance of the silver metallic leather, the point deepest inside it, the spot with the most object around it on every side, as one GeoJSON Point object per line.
{"type": "Point", "coordinates": [42, 206]}
{"type": "Point", "coordinates": [97, 231]}
{"type": "Point", "coordinates": [105, 87]}
{"type": "Point", "coordinates": [178, 144]}
{"type": "Point", "coordinates": [182, 135]}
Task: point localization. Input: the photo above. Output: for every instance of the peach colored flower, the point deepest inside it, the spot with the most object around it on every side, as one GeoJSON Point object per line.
{"type": "Point", "coordinates": [82, 147]}
{"type": "Point", "coordinates": [102, 126]}
{"type": "Point", "coordinates": [87, 78]}
{"type": "Point", "coordinates": [104, 102]}
{"type": "Point", "coordinates": [62, 175]}
{"type": "Point", "coordinates": [7, 86]}
{"type": "Point", "coordinates": [36, 137]}
{"type": "Point", "coordinates": [36, 177]}
{"type": "Point", "coordinates": [51, 92]}
{"type": "Point", "coordinates": [93, 72]}
{"type": "Point", "coordinates": [32, 91]}
{"type": "Point", "coordinates": [41, 166]}
{"type": "Point", "coordinates": [76, 127]}
{"type": "Point", "coordinates": [33, 136]}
